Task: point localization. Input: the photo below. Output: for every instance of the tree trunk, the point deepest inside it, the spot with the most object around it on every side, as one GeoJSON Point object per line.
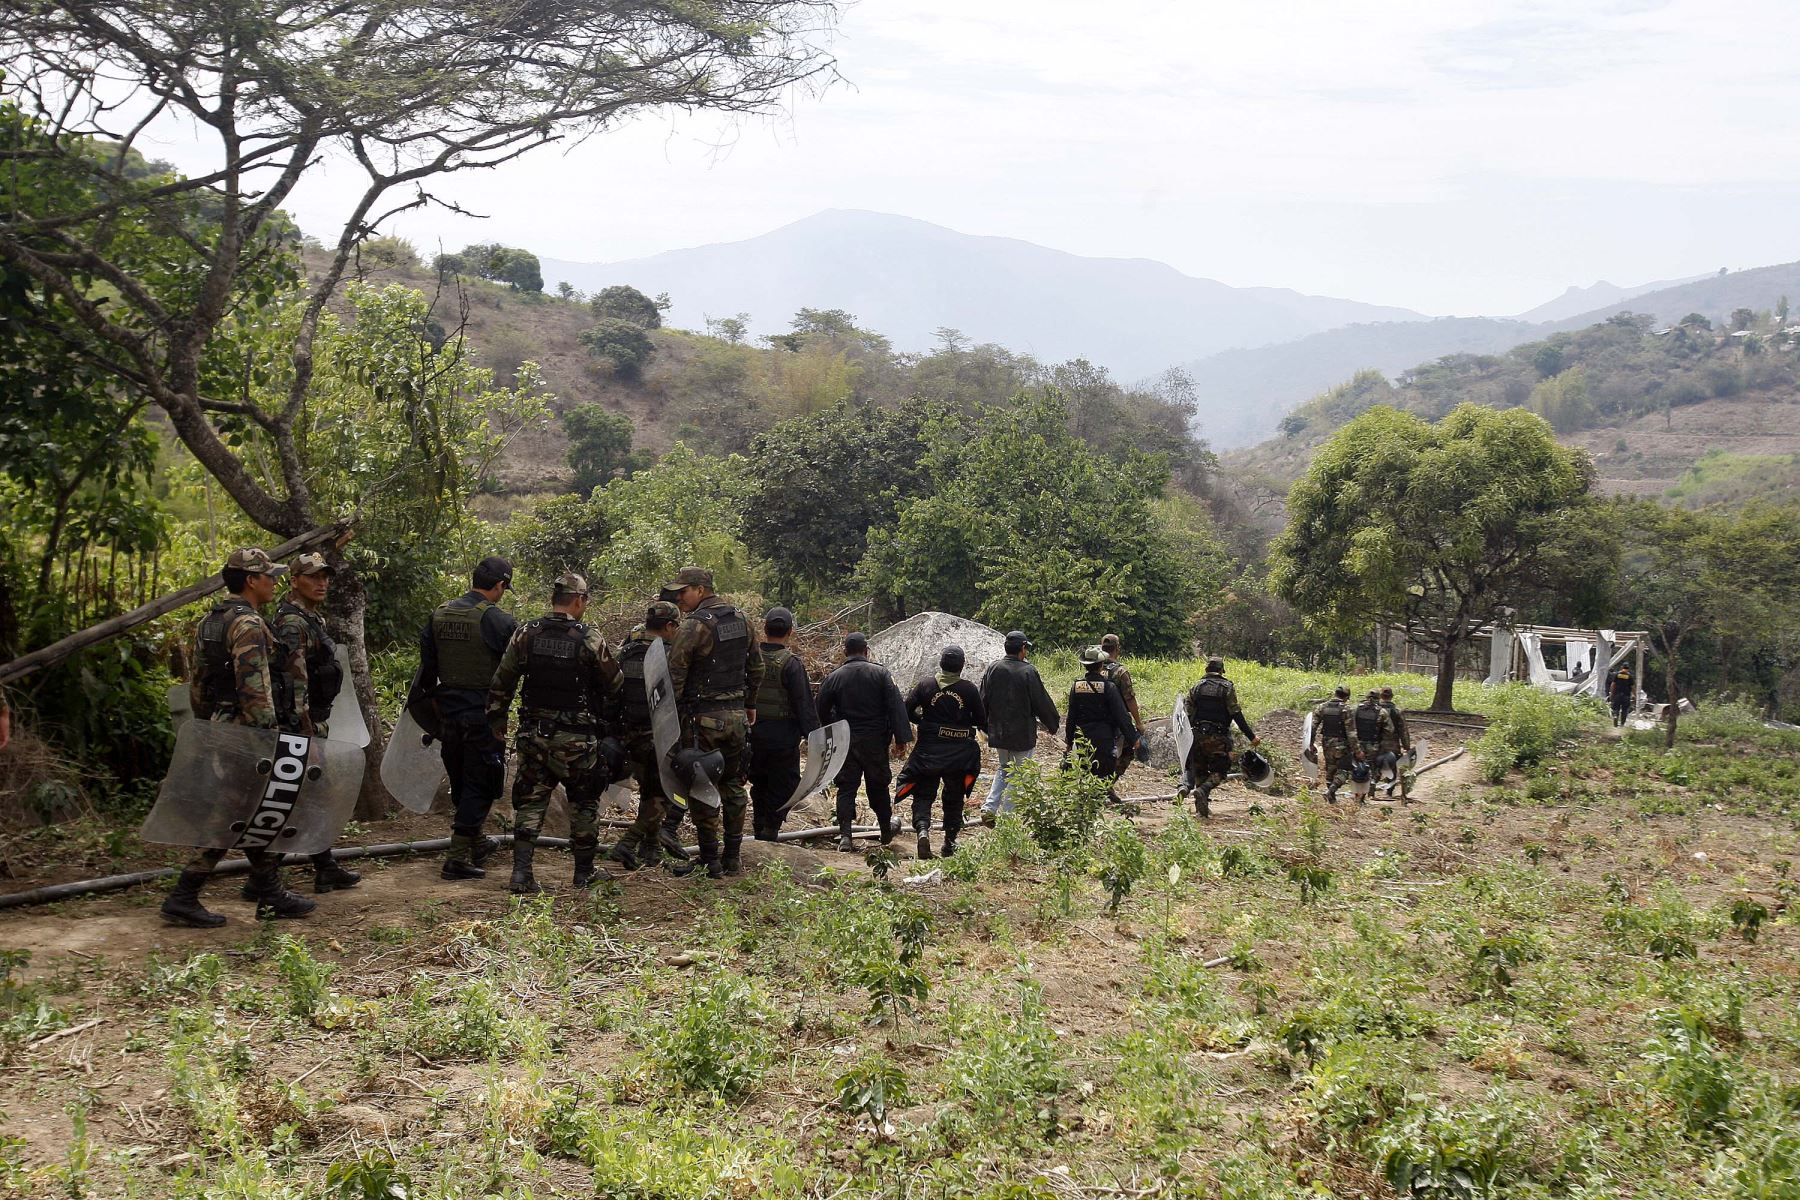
{"type": "Point", "coordinates": [1668, 690]}
{"type": "Point", "coordinates": [1443, 697]}
{"type": "Point", "coordinates": [350, 603]}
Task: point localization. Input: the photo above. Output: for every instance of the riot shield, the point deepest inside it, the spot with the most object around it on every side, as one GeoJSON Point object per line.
{"type": "Point", "coordinates": [412, 769]}
{"type": "Point", "coordinates": [346, 718]}
{"type": "Point", "coordinates": [1184, 738]}
{"type": "Point", "coordinates": [826, 750]}
{"type": "Point", "coordinates": [1309, 768]}
{"type": "Point", "coordinates": [181, 708]}
{"type": "Point", "coordinates": [234, 786]}
{"type": "Point", "coordinates": [665, 729]}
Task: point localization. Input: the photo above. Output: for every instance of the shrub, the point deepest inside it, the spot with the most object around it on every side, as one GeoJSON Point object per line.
{"type": "Point", "coordinates": [1687, 1068]}
{"type": "Point", "coordinates": [715, 1041]}
{"type": "Point", "coordinates": [1454, 1154]}
{"type": "Point", "coordinates": [1059, 808]}
{"type": "Point", "coordinates": [624, 344]}
{"type": "Point", "coordinates": [1122, 861]}
{"type": "Point", "coordinates": [1011, 1063]}
{"type": "Point", "coordinates": [1525, 727]}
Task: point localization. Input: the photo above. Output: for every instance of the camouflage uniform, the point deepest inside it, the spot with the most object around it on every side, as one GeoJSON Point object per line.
{"type": "Point", "coordinates": [715, 677]}
{"type": "Point", "coordinates": [1395, 745]}
{"type": "Point", "coordinates": [631, 719]}
{"type": "Point", "coordinates": [1331, 732]}
{"type": "Point", "coordinates": [243, 676]}
{"type": "Point", "coordinates": [1212, 707]}
{"type": "Point", "coordinates": [568, 672]}
{"type": "Point", "coordinates": [1116, 671]}
{"type": "Point", "coordinates": [1373, 730]}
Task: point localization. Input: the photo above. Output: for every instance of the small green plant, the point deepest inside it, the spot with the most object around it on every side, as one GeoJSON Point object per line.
{"type": "Point", "coordinates": [372, 1175]}
{"type": "Point", "coordinates": [25, 1012]}
{"type": "Point", "coordinates": [1534, 853]}
{"type": "Point", "coordinates": [715, 1042]}
{"type": "Point", "coordinates": [1747, 917]}
{"type": "Point", "coordinates": [881, 860]}
{"type": "Point", "coordinates": [1440, 1153]}
{"type": "Point", "coordinates": [1061, 807]}
{"type": "Point", "coordinates": [1688, 1069]}
{"type": "Point", "coordinates": [1312, 880]}
{"type": "Point", "coordinates": [871, 1088]}
{"type": "Point", "coordinates": [1494, 958]}
{"type": "Point", "coordinates": [199, 975]}
{"type": "Point", "coordinates": [1123, 861]}
{"type": "Point", "coordinates": [1009, 1065]}
{"type": "Point", "coordinates": [307, 979]}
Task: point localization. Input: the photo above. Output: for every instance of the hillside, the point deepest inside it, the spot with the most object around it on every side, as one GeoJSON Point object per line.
{"type": "Point", "coordinates": [909, 278]}
{"type": "Point", "coordinates": [1579, 301]}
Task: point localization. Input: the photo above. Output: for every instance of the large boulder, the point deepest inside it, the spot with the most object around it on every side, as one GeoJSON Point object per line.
{"type": "Point", "coordinates": [910, 649]}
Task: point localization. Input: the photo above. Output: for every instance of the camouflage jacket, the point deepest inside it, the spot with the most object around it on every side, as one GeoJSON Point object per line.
{"type": "Point", "coordinates": [255, 653]}
{"type": "Point", "coordinates": [692, 649]}
{"type": "Point", "coordinates": [597, 668]}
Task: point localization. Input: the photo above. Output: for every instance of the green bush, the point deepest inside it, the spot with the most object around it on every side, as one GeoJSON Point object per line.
{"type": "Point", "coordinates": [1059, 807]}
{"type": "Point", "coordinates": [1690, 1071]}
{"type": "Point", "coordinates": [1440, 1153]}
{"type": "Point", "coordinates": [1525, 726]}
{"type": "Point", "coordinates": [715, 1042]}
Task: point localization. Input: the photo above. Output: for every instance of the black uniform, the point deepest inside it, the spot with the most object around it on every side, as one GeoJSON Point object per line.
{"type": "Point", "coordinates": [784, 716]}
{"type": "Point", "coordinates": [459, 649]}
{"type": "Point", "coordinates": [948, 711]}
{"type": "Point", "coordinates": [863, 694]}
{"type": "Point", "coordinates": [1097, 709]}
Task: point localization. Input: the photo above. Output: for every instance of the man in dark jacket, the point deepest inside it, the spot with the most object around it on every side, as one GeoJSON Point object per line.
{"type": "Point", "coordinates": [948, 711]}
{"type": "Point", "coordinates": [864, 694]}
{"type": "Point", "coordinates": [1621, 694]}
{"type": "Point", "coordinates": [1017, 704]}
{"type": "Point", "coordinates": [784, 716]}
{"type": "Point", "coordinates": [1097, 711]}
{"type": "Point", "coordinates": [459, 650]}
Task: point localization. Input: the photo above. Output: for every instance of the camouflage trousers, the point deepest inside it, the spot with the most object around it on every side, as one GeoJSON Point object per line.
{"type": "Point", "coordinates": [1211, 755]}
{"type": "Point", "coordinates": [1334, 755]}
{"type": "Point", "coordinates": [726, 731]}
{"type": "Point", "coordinates": [547, 759]}
{"type": "Point", "coordinates": [640, 759]}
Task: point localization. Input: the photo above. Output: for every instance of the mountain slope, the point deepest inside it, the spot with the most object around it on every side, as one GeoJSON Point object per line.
{"type": "Point", "coordinates": [1714, 296]}
{"type": "Point", "coordinates": [908, 278]}
{"type": "Point", "coordinates": [1578, 301]}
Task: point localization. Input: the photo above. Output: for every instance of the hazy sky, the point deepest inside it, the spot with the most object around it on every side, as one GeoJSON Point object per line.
{"type": "Point", "coordinates": [1445, 155]}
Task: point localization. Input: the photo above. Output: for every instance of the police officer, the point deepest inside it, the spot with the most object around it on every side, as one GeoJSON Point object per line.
{"type": "Point", "coordinates": [716, 679]}
{"type": "Point", "coordinates": [651, 834]}
{"type": "Point", "coordinates": [459, 650]}
{"type": "Point", "coordinates": [1398, 743]}
{"type": "Point", "coordinates": [1373, 728]}
{"type": "Point", "coordinates": [948, 711]}
{"type": "Point", "coordinates": [1097, 709]}
{"type": "Point", "coordinates": [245, 677]}
{"type": "Point", "coordinates": [1113, 665]}
{"type": "Point", "coordinates": [862, 693]}
{"type": "Point", "coordinates": [300, 628]}
{"type": "Point", "coordinates": [1331, 733]}
{"type": "Point", "coordinates": [784, 716]}
{"type": "Point", "coordinates": [1621, 694]}
{"type": "Point", "coordinates": [1212, 707]}
{"type": "Point", "coordinates": [568, 673]}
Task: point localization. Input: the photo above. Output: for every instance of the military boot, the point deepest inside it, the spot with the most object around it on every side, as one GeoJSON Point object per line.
{"type": "Point", "coordinates": [669, 836]}
{"type": "Point", "coordinates": [625, 852]}
{"type": "Point", "coordinates": [523, 882]}
{"type": "Point", "coordinates": [1203, 801]}
{"type": "Point", "coordinates": [274, 901]}
{"type": "Point", "coordinates": [330, 876]}
{"type": "Point", "coordinates": [709, 855]}
{"type": "Point", "coordinates": [482, 848]}
{"type": "Point", "coordinates": [586, 874]}
{"type": "Point", "coordinates": [949, 850]}
{"type": "Point", "coordinates": [924, 835]}
{"type": "Point", "coordinates": [884, 819]}
{"type": "Point", "coordinates": [731, 862]}
{"type": "Point", "coordinates": [847, 844]}
{"type": "Point", "coordinates": [460, 862]}
{"type": "Point", "coordinates": [182, 905]}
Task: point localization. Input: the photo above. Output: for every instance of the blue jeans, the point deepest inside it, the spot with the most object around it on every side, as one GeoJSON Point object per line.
{"type": "Point", "coordinates": [998, 801]}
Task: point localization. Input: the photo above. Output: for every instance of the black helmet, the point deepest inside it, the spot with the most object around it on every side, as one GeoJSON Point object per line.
{"type": "Point", "coordinates": [1343, 692]}
{"type": "Point", "coordinates": [1359, 770]}
{"type": "Point", "coordinates": [692, 762]}
{"type": "Point", "coordinates": [1256, 768]}
{"type": "Point", "coordinates": [952, 658]}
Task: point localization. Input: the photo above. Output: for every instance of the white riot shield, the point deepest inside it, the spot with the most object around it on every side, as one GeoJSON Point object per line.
{"type": "Point", "coordinates": [826, 750]}
{"type": "Point", "coordinates": [412, 768]}
{"type": "Point", "coordinates": [234, 786]}
{"type": "Point", "coordinates": [665, 728]}
{"type": "Point", "coordinates": [1184, 737]}
{"type": "Point", "coordinates": [181, 708]}
{"type": "Point", "coordinates": [346, 718]}
{"type": "Point", "coordinates": [1308, 768]}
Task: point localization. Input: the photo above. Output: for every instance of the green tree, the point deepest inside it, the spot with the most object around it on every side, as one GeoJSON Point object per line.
{"type": "Point", "coordinates": [1742, 318]}
{"type": "Point", "coordinates": [731, 330]}
{"type": "Point", "coordinates": [389, 252]}
{"type": "Point", "coordinates": [1437, 529]}
{"type": "Point", "coordinates": [501, 264]}
{"type": "Point", "coordinates": [1563, 401]}
{"type": "Point", "coordinates": [622, 302]}
{"type": "Point", "coordinates": [623, 343]}
{"type": "Point", "coordinates": [599, 444]}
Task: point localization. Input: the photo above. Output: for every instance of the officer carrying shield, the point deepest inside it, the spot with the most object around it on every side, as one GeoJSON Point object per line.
{"type": "Point", "coordinates": [244, 677]}
{"type": "Point", "coordinates": [1112, 649]}
{"type": "Point", "coordinates": [1331, 733]}
{"type": "Point", "coordinates": [300, 627]}
{"type": "Point", "coordinates": [715, 676]}
{"type": "Point", "coordinates": [1212, 707]}
{"type": "Point", "coordinates": [459, 650]}
{"type": "Point", "coordinates": [568, 673]}
{"type": "Point", "coordinates": [651, 834]}
{"type": "Point", "coordinates": [1373, 728]}
{"type": "Point", "coordinates": [1398, 744]}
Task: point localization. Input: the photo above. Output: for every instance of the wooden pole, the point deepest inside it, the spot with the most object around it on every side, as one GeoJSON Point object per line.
{"type": "Point", "coordinates": [114, 626]}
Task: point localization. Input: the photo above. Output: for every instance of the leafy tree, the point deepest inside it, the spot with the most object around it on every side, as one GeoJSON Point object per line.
{"type": "Point", "coordinates": [730, 330]}
{"type": "Point", "coordinates": [599, 444]}
{"type": "Point", "coordinates": [1548, 360]}
{"type": "Point", "coordinates": [566, 290]}
{"type": "Point", "coordinates": [389, 252]}
{"type": "Point", "coordinates": [1563, 401]}
{"type": "Point", "coordinates": [1696, 321]}
{"type": "Point", "coordinates": [1438, 529]}
{"type": "Point", "coordinates": [623, 343]}
{"type": "Point", "coordinates": [622, 302]}
{"type": "Point", "coordinates": [1742, 318]}
{"type": "Point", "coordinates": [500, 264]}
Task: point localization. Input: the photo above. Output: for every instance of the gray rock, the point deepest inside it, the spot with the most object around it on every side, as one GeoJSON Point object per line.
{"type": "Point", "coordinates": [910, 648]}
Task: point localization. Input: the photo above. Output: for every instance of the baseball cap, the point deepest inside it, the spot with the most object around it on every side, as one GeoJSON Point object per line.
{"type": "Point", "coordinates": [311, 564]}
{"type": "Point", "coordinates": [778, 619]}
{"type": "Point", "coordinates": [1016, 641]}
{"type": "Point", "coordinates": [252, 560]}
{"type": "Point", "coordinates": [1110, 642]}
{"type": "Point", "coordinates": [690, 577]}
{"type": "Point", "coordinates": [493, 569]}
{"type": "Point", "coordinates": [662, 610]}
{"type": "Point", "coordinates": [571, 584]}
{"type": "Point", "coordinates": [856, 643]}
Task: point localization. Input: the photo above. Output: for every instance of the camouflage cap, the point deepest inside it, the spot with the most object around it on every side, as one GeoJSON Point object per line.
{"type": "Point", "coordinates": [1110, 643]}
{"type": "Point", "coordinates": [253, 561]}
{"type": "Point", "coordinates": [662, 610]}
{"type": "Point", "coordinates": [1374, 693]}
{"type": "Point", "coordinates": [570, 584]}
{"type": "Point", "coordinates": [690, 577]}
{"type": "Point", "coordinates": [311, 564]}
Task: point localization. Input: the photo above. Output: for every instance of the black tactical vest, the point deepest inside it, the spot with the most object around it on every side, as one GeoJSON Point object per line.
{"type": "Point", "coordinates": [324, 677]}
{"type": "Point", "coordinates": [772, 696]}
{"type": "Point", "coordinates": [1331, 721]}
{"type": "Point", "coordinates": [634, 698]}
{"type": "Point", "coordinates": [1209, 702]}
{"type": "Point", "coordinates": [554, 677]}
{"type": "Point", "coordinates": [1393, 712]}
{"type": "Point", "coordinates": [464, 660]}
{"type": "Point", "coordinates": [1368, 723]}
{"type": "Point", "coordinates": [721, 676]}
{"type": "Point", "coordinates": [218, 673]}
{"type": "Point", "coordinates": [1087, 703]}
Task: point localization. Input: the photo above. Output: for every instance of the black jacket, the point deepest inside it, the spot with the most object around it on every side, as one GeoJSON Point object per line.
{"type": "Point", "coordinates": [864, 694]}
{"type": "Point", "coordinates": [948, 719]}
{"type": "Point", "coordinates": [1017, 702]}
{"type": "Point", "coordinates": [1098, 712]}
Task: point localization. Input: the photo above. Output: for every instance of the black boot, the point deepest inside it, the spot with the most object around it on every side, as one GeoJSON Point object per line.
{"type": "Point", "coordinates": [523, 882]}
{"type": "Point", "coordinates": [890, 828]}
{"type": "Point", "coordinates": [709, 856]}
{"type": "Point", "coordinates": [624, 852]}
{"type": "Point", "coordinates": [482, 848]}
{"type": "Point", "coordinates": [330, 876]}
{"type": "Point", "coordinates": [460, 862]}
{"type": "Point", "coordinates": [182, 905]}
{"type": "Point", "coordinates": [949, 845]}
{"type": "Point", "coordinates": [846, 843]}
{"type": "Point", "coordinates": [924, 834]}
{"type": "Point", "coordinates": [274, 901]}
{"type": "Point", "coordinates": [731, 862]}
{"type": "Point", "coordinates": [586, 874]}
{"type": "Point", "coordinates": [670, 841]}
{"type": "Point", "coordinates": [1203, 801]}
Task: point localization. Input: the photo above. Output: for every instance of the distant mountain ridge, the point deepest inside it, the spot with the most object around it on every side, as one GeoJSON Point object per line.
{"type": "Point", "coordinates": [906, 279]}
{"type": "Point", "coordinates": [1579, 300]}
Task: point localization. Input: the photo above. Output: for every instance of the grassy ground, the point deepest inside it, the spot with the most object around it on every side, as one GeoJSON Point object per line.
{"type": "Point", "coordinates": [1577, 982]}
